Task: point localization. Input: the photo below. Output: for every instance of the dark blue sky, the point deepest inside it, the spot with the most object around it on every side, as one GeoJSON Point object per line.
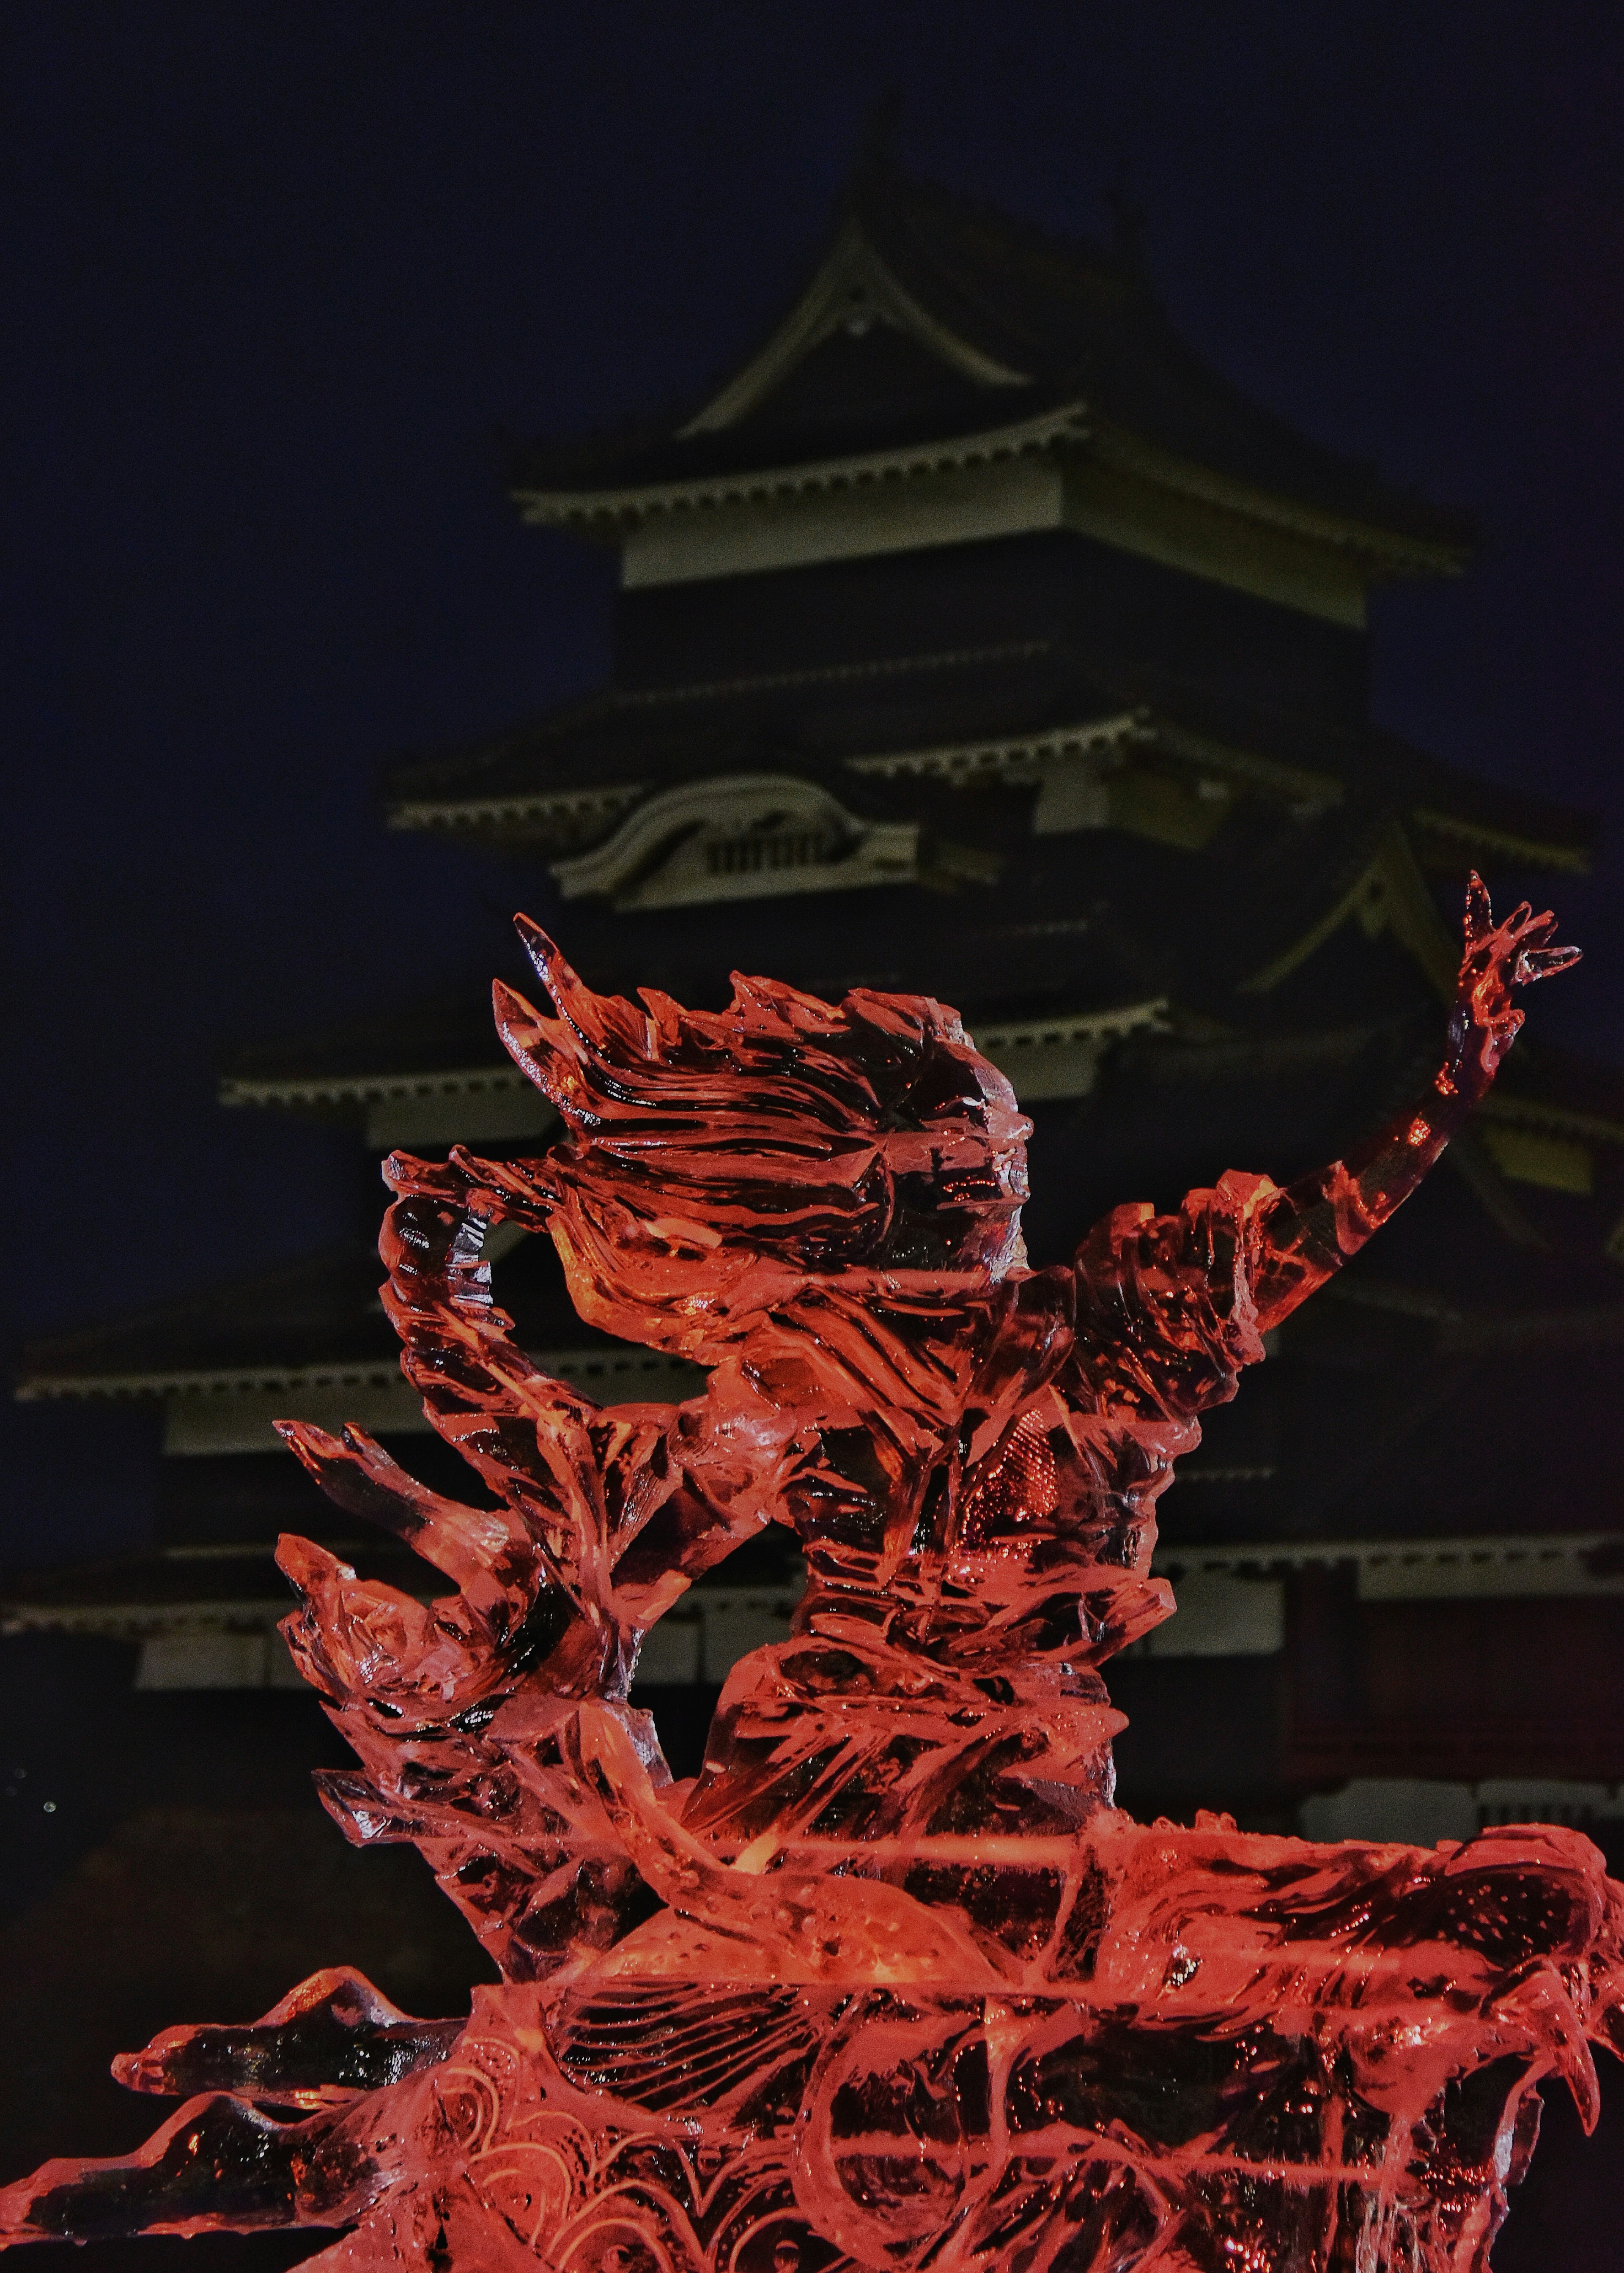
{"type": "Point", "coordinates": [282, 276]}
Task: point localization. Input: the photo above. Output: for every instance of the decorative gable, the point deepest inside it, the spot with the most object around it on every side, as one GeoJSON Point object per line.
{"type": "Point", "coordinates": [852, 291]}
{"type": "Point", "coordinates": [741, 836]}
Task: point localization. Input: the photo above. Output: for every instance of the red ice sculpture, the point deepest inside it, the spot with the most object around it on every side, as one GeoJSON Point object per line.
{"type": "Point", "coordinates": [892, 1982]}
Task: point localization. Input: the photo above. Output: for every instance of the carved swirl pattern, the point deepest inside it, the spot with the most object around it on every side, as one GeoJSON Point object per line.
{"type": "Point", "coordinates": [892, 1981]}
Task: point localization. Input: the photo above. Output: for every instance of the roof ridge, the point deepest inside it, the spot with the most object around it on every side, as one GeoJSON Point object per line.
{"type": "Point", "coordinates": [1078, 245]}
{"type": "Point", "coordinates": [1054, 310]}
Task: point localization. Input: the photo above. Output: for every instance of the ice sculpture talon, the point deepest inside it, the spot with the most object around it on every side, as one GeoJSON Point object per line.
{"type": "Point", "coordinates": [892, 1982]}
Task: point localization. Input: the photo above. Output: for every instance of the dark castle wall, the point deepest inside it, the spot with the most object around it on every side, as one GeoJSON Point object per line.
{"type": "Point", "coordinates": [1140, 624]}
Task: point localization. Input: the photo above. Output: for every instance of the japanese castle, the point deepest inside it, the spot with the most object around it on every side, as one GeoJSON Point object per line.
{"type": "Point", "coordinates": [977, 639]}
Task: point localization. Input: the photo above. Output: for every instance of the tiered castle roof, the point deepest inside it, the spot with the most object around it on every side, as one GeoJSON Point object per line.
{"type": "Point", "coordinates": [975, 638]}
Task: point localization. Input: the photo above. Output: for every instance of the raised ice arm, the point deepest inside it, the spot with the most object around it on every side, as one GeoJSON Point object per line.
{"type": "Point", "coordinates": [1169, 1308]}
{"type": "Point", "coordinates": [1309, 1230]}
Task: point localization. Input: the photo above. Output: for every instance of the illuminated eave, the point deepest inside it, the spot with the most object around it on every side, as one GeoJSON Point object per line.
{"type": "Point", "coordinates": [470, 1105]}
{"type": "Point", "coordinates": [303, 1091]}
{"type": "Point", "coordinates": [598, 1368]}
{"type": "Point", "coordinates": [547, 810]}
{"type": "Point", "coordinates": [1073, 429]}
{"type": "Point", "coordinates": [1574, 1565]}
{"type": "Point", "coordinates": [1482, 837]}
{"type": "Point", "coordinates": [608, 509]}
{"type": "Point", "coordinates": [1002, 757]}
{"type": "Point", "coordinates": [1014, 760]}
{"type": "Point", "coordinates": [210, 1412]}
{"type": "Point", "coordinates": [1383, 551]}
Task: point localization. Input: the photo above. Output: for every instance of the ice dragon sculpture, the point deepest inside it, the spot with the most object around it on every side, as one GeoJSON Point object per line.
{"type": "Point", "coordinates": [892, 1982]}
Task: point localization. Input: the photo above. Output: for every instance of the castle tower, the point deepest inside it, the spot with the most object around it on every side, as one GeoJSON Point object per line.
{"type": "Point", "coordinates": [975, 638]}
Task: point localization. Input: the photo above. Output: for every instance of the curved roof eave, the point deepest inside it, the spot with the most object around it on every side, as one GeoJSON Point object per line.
{"type": "Point", "coordinates": [625, 507]}
{"type": "Point", "coordinates": [1071, 427]}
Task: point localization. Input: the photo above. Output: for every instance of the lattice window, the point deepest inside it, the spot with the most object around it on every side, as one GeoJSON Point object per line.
{"type": "Point", "coordinates": [774, 849]}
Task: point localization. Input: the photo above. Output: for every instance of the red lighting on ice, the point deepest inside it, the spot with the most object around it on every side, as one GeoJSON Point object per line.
{"type": "Point", "coordinates": [892, 1982]}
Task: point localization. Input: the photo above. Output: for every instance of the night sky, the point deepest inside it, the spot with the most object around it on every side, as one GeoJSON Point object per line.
{"type": "Point", "coordinates": [285, 278]}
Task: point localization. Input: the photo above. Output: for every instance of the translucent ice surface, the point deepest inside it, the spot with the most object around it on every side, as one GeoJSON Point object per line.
{"type": "Point", "coordinates": [892, 1982]}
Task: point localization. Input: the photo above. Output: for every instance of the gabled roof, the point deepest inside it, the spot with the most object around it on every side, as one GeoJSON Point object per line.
{"type": "Point", "coordinates": [586, 764]}
{"type": "Point", "coordinates": [931, 326]}
{"type": "Point", "coordinates": [573, 777]}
